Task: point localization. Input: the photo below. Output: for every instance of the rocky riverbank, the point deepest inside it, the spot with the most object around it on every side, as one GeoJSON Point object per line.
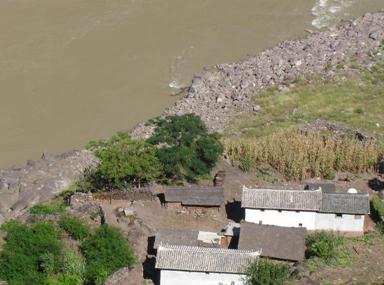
{"type": "Point", "coordinates": [216, 96]}
{"type": "Point", "coordinates": [227, 89]}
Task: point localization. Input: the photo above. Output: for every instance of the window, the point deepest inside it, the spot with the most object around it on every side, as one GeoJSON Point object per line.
{"type": "Point", "coordinates": [280, 211]}
{"type": "Point", "coordinates": [297, 211]}
{"type": "Point", "coordinates": [300, 225]}
{"type": "Point", "coordinates": [262, 210]}
{"type": "Point", "coordinates": [357, 217]}
{"type": "Point", "coordinates": [339, 215]}
{"type": "Point", "coordinates": [260, 222]}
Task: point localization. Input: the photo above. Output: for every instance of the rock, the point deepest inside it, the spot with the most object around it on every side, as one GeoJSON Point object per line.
{"type": "Point", "coordinates": [129, 212]}
{"type": "Point", "coordinates": [41, 180]}
{"type": "Point", "coordinates": [256, 108]}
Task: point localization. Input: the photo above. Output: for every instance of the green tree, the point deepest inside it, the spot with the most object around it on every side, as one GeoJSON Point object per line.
{"type": "Point", "coordinates": [186, 149]}
{"type": "Point", "coordinates": [105, 252]}
{"type": "Point", "coordinates": [266, 272]}
{"type": "Point", "coordinates": [125, 161]}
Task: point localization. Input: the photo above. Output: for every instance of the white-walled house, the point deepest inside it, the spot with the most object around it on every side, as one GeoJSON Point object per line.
{"type": "Point", "coordinates": [313, 209]}
{"type": "Point", "coordinates": [191, 265]}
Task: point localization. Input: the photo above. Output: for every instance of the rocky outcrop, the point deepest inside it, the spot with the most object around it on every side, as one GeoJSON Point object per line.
{"type": "Point", "coordinates": [228, 88]}
{"type": "Point", "coordinates": [40, 180]}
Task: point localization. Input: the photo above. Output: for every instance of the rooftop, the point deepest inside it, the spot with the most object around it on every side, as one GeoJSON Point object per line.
{"type": "Point", "coordinates": [176, 237]}
{"type": "Point", "coordinates": [209, 196]}
{"type": "Point", "coordinates": [305, 200]}
{"type": "Point", "coordinates": [191, 258]}
{"type": "Point", "coordinates": [285, 243]}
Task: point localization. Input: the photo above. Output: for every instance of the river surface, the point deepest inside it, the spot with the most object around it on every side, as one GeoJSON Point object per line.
{"type": "Point", "coordinates": [76, 70]}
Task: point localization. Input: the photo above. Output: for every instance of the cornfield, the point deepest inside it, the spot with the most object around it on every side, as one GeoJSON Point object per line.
{"type": "Point", "coordinates": [297, 155]}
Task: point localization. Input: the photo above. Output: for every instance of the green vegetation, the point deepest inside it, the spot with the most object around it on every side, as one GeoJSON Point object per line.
{"type": "Point", "coordinates": [125, 162]}
{"type": "Point", "coordinates": [270, 138]}
{"type": "Point", "coordinates": [47, 209]}
{"type": "Point", "coordinates": [75, 227]}
{"type": "Point", "coordinates": [377, 207]}
{"type": "Point", "coordinates": [357, 103]}
{"type": "Point", "coordinates": [328, 247]}
{"type": "Point", "coordinates": [297, 155]}
{"type": "Point", "coordinates": [186, 149]}
{"type": "Point", "coordinates": [106, 251]}
{"type": "Point", "coordinates": [31, 253]}
{"type": "Point", "coordinates": [266, 272]}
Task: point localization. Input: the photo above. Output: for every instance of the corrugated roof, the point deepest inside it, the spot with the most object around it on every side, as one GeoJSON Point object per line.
{"type": "Point", "coordinates": [187, 258]}
{"type": "Point", "coordinates": [196, 196]}
{"type": "Point", "coordinates": [345, 203]}
{"type": "Point", "coordinates": [176, 237]}
{"type": "Point", "coordinates": [305, 200]}
{"type": "Point", "coordinates": [281, 199]}
{"type": "Point", "coordinates": [284, 243]}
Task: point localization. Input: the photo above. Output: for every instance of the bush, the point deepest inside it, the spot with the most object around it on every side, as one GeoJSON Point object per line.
{"type": "Point", "coordinates": [265, 272]}
{"type": "Point", "coordinates": [297, 155]}
{"type": "Point", "coordinates": [30, 253]}
{"type": "Point", "coordinates": [105, 252]}
{"type": "Point", "coordinates": [325, 246]}
{"type": "Point", "coordinates": [186, 149]}
{"type": "Point", "coordinates": [75, 227]}
{"type": "Point", "coordinates": [45, 210]}
{"type": "Point", "coordinates": [125, 161]}
{"type": "Point", "coordinates": [377, 207]}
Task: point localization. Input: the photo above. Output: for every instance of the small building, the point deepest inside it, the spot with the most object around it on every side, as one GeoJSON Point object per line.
{"type": "Point", "coordinates": [187, 238]}
{"type": "Point", "coordinates": [282, 243]}
{"type": "Point", "coordinates": [204, 266]}
{"type": "Point", "coordinates": [195, 196]}
{"type": "Point", "coordinates": [313, 209]}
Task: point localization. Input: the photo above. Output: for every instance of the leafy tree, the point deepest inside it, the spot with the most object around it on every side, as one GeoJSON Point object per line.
{"type": "Point", "coordinates": [105, 252]}
{"type": "Point", "coordinates": [186, 149]}
{"type": "Point", "coordinates": [266, 272]}
{"type": "Point", "coordinates": [30, 253]}
{"type": "Point", "coordinates": [125, 161]}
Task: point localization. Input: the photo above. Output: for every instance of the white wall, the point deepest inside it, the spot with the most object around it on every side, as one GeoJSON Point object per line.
{"type": "Point", "coordinates": [310, 220]}
{"type": "Point", "coordinates": [172, 277]}
{"type": "Point", "coordinates": [345, 223]}
{"type": "Point", "coordinates": [283, 218]}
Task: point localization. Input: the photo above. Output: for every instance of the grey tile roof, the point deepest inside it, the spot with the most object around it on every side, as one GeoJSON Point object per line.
{"type": "Point", "coordinates": [176, 237]}
{"type": "Point", "coordinates": [305, 200]}
{"type": "Point", "coordinates": [187, 258]}
{"type": "Point", "coordinates": [285, 243]}
{"type": "Point", "coordinates": [211, 196]}
{"type": "Point", "coordinates": [281, 199]}
{"type": "Point", "coordinates": [345, 203]}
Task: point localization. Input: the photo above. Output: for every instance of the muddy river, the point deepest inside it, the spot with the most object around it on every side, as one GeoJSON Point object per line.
{"type": "Point", "coordinates": [75, 70]}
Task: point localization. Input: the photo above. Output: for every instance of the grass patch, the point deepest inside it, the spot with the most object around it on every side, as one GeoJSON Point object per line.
{"type": "Point", "coordinates": [355, 103]}
{"type": "Point", "coordinates": [297, 155]}
{"type": "Point", "coordinates": [75, 227]}
{"type": "Point", "coordinates": [47, 209]}
{"type": "Point", "coordinates": [328, 248]}
{"type": "Point", "coordinates": [266, 272]}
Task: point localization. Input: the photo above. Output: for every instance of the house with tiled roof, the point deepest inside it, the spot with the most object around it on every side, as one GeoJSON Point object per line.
{"type": "Point", "coordinates": [312, 209]}
{"type": "Point", "coordinates": [191, 265]}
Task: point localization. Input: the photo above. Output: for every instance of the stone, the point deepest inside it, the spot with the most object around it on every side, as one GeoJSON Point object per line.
{"type": "Point", "coordinates": [128, 212]}
{"type": "Point", "coordinates": [256, 108]}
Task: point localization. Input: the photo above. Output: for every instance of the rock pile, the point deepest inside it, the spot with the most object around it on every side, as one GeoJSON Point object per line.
{"type": "Point", "coordinates": [228, 88]}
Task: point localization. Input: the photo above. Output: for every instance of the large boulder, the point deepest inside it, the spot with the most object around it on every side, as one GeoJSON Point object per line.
{"type": "Point", "coordinates": [40, 180]}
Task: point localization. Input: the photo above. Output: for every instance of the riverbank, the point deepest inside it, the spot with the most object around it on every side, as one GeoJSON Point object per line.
{"type": "Point", "coordinates": [227, 89]}
{"type": "Point", "coordinates": [216, 96]}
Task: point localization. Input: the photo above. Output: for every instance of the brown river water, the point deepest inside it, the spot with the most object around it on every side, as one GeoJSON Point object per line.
{"type": "Point", "coordinates": [75, 70]}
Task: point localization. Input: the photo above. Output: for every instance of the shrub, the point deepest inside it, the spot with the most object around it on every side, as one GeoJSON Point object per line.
{"type": "Point", "coordinates": [30, 253]}
{"type": "Point", "coordinates": [45, 210]}
{"type": "Point", "coordinates": [325, 246]}
{"type": "Point", "coordinates": [265, 272]}
{"type": "Point", "coordinates": [75, 227]}
{"type": "Point", "coordinates": [125, 161]}
{"type": "Point", "coordinates": [298, 156]}
{"type": "Point", "coordinates": [377, 207]}
{"type": "Point", "coordinates": [105, 252]}
{"type": "Point", "coordinates": [186, 149]}
{"type": "Point", "coordinates": [74, 265]}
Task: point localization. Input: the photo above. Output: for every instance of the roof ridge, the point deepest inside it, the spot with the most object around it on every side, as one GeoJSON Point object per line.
{"type": "Point", "coordinates": [206, 249]}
